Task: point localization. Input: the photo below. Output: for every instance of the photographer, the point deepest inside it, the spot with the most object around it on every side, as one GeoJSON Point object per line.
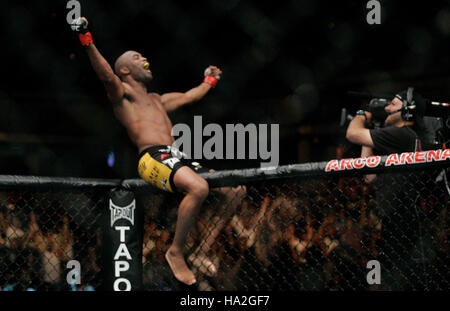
{"type": "Point", "coordinates": [403, 130]}
{"type": "Point", "coordinates": [396, 193]}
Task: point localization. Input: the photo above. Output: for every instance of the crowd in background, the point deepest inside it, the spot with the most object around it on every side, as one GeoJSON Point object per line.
{"type": "Point", "coordinates": [35, 248]}
{"type": "Point", "coordinates": [313, 235]}
{"type": "Point", "coordinates": [300, 235]}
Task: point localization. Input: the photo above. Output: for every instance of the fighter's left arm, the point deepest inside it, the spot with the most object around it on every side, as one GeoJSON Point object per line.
{"type": "Point", "coordinates": [174, 100]}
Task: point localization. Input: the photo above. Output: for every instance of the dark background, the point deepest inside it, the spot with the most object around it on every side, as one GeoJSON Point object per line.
{"type": "Point", "coordinates": [285, 62]}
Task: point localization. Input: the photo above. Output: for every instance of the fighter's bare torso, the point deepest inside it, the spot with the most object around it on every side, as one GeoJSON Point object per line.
{"type": "Point", "coordinates": [144, 117]}
{"type": "Point", "coordinates": [144, 114]}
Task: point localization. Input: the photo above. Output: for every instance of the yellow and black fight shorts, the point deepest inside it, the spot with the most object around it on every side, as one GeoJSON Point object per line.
{"type": "Point", "coordinates": [158, 164]}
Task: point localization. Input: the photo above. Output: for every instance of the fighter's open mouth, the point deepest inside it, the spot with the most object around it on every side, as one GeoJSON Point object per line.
{"type": "Point", "coordinates": [146, 65]}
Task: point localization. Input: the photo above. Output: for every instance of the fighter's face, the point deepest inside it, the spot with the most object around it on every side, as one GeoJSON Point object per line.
{"type": "Point", "coordinates": [139, 67]}
{"type": "Point", "coordinates": [394, 107]}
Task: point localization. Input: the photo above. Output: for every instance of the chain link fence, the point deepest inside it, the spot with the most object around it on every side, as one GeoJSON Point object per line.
{"type": "Point", "coordinates": [314, 232]}
{"type": "Point", "coordinates": [41, 231]}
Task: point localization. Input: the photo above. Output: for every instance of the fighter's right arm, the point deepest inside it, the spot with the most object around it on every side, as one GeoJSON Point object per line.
{"type": "Point", "coordinates": [111, 81]}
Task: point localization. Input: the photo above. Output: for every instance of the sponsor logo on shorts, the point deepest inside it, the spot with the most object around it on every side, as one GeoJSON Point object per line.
{"type": "Point", "coordinates": [164, 183]}
{"type": "Point", "coordinates": [171, 162]}
{"type": "Point", "coordinates": [167, 150]}
{"type": "Point", "coordinates": [164, 155]}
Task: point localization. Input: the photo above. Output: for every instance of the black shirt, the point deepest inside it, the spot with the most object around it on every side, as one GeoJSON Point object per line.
{"type": "Point", "coordinates": [392, 189]}
{"type": "Point", "coordinates": [396, 197]}
{"type": "Point", "coordinates": [393, 139]}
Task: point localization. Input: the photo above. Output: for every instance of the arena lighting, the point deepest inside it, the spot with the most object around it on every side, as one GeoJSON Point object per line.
{"type": "Point", "coordinates": [111, 159]}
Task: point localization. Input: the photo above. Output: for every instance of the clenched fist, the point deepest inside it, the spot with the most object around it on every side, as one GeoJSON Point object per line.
{"type": "Point", "coordinates": [213, 71]}
{"type": "Point", "coordinates": [212, 75]}
{"type": "Point", "coordinates": [79, 26]}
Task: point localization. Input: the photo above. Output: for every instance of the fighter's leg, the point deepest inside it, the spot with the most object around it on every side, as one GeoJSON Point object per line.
{"type": "Point", "coordinates": [230, 197]}
{"type": "Point", "coordinates": [196, 189]}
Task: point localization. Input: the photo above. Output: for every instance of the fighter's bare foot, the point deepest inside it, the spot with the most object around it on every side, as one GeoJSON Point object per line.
{"type": "Point", "coordinates": [179, 267]}
{"type": "Point", "coordinates": [203, 263]}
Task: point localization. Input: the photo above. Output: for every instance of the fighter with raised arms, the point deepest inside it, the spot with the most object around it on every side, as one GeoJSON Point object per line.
{"type": "Point", "coordinates": [144, 115]}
